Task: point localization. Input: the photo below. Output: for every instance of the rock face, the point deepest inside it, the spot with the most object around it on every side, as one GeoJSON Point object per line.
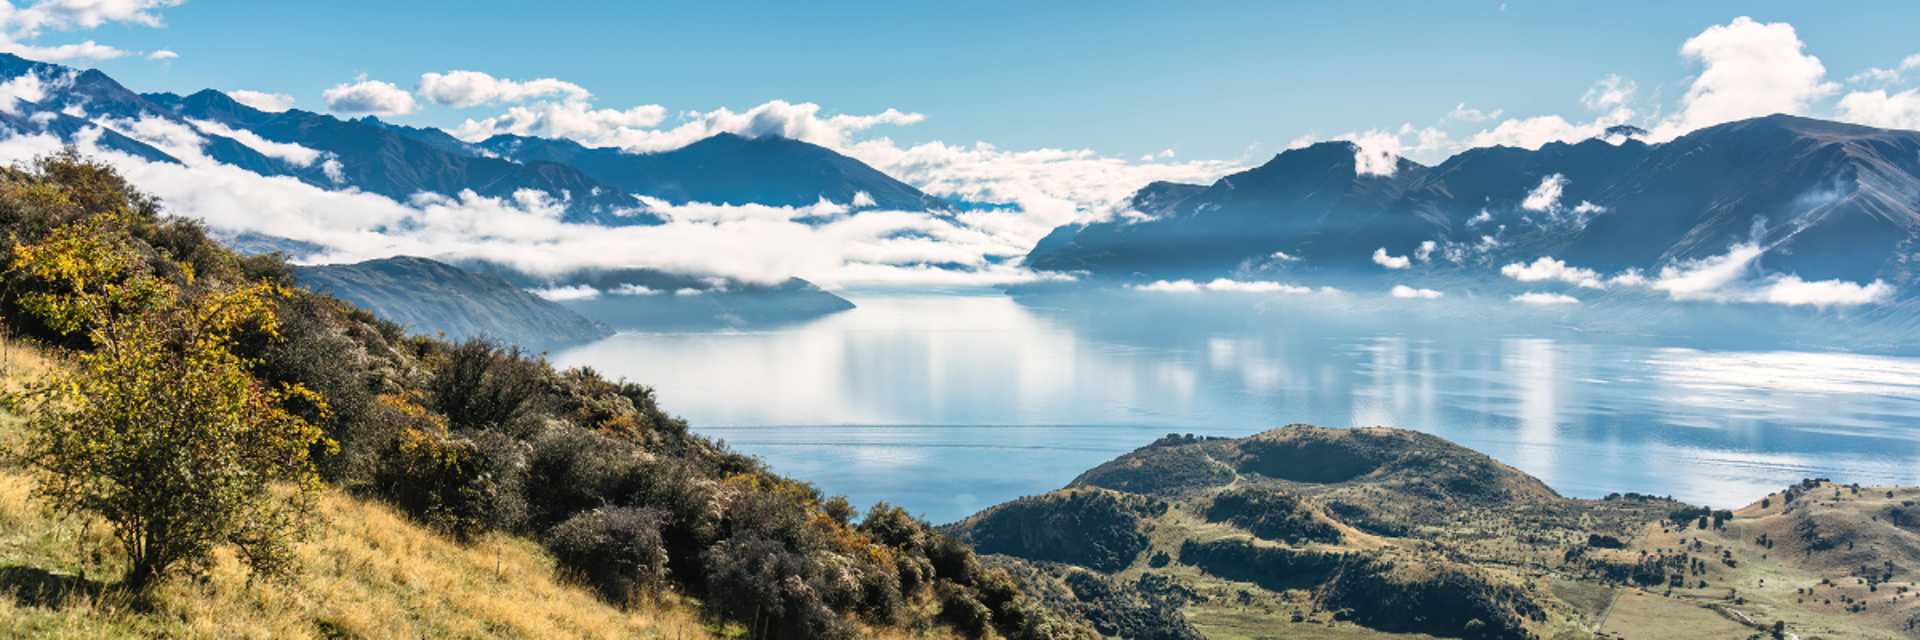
{"type": "Point", "coordinates": [430, 297]}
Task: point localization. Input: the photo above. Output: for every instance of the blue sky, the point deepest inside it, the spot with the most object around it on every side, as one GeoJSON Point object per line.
{"type": "Point", "coordinates": [1206, 79]}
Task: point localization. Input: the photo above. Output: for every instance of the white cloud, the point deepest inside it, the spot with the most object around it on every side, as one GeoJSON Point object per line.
{"type": "Point", "coordinates": [1735, 277]}
{"type": "Point", "coordinates": [1550, 269]}
{"type": "Point", "coordinates": [1283, 257]}
{"type": "Point", "coordinates": [1381, 258]}
{"type": "Point", "coordinates": [578, 292]}
{"type": "Point", "coordinates": [1546, 197]}
{"type": "Point", "coordinates": [1404, 291]}
{"type": "Point", "coordinates": [462, 89]}
{"type": "Point", "coordinates": [1586, 208]}
{"type": "Point", "coordinates": [19, 26]}
{"type": "Point", "coordinates": [1750, 69]}
{"type": "Point", "coordinates": [634, 290]}
{"type": "Point", "coordinates": [1478, 220]}
{"type": "Point", "coordinates": [1051, 186]}
{"type": "Point", "coordinates": [1792, 291]}
{"type": "Point", "coordinates": [1887, 76]}
{"type": "Point", "coordinates": [1425, 252]}
{"type": "Point", "coordinates": [294, 154]}
{"type": "Point", "coordinates": [752, 243]}
{"type": "Point", "coordinates": [25, 88]}
{"type": "Point", "coordinates": [1878, 109]}
{"type": "Point", "coordinates": [269, 102]}
{"type": "Point", "coordinates": [1463, 114]}
{"type": "Point", "coordinates": [162, 54]}
{"type": "Point", "coordinates": [369, 97]}
{"type": "Point", "coordinates": [1222, 284]}
{"type": "Point", "coordinates": [1378, 152]}
{"type": "Point", "coordinates": [1609, 93]}
{"type": "Point", "coordinates": [1545, 298]}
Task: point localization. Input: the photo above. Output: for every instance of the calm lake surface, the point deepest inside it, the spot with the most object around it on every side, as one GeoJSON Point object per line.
{"type": "Point", "coordinates": [950, 403]}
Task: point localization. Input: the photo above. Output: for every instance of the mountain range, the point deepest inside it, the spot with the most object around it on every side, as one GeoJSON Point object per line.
{"type": "Point", "coordinates": [1820, 200]}
{"type": "Point", "coordinates": [1806, 207]}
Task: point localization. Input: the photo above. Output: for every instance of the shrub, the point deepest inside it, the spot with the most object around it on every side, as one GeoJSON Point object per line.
{"type": "Point", "coordinates": [161, 430]}
{"type": "Point", "coordinates": [463, 486]}
{"type": "Point", "coordinates": [615, 550]}
{"type": "Point", "coordinates": [760, 580]}
{"type": "Point", "coordinates": [479, 385]}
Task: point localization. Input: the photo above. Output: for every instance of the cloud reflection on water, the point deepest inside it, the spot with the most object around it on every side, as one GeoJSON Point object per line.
{"type": "Point", "coordinates": [921, 399]}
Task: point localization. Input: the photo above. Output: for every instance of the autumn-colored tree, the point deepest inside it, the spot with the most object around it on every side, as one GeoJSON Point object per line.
{"type": "Point", "coordinates": [159, 428]}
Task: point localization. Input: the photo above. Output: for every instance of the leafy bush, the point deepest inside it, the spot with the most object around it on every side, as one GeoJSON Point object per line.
{"type": "Point", "coordinates": [160, 430]}
{"type": "Point", "coordinates": [481, 385]}
{"type": "Point", "coordinates": [616, 550]}
{"type": "Point", "coordinates": [454, 484]}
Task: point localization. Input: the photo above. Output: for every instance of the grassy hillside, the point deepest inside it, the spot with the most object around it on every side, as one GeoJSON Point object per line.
{"type": "Point", "coordinates": [368, 571]}
{"type": "Point", "coordinates": [1304, 532]}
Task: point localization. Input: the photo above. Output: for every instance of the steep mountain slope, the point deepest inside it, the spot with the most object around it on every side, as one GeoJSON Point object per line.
{"type": "Point", "coordinates": [373, 157]}
{"type": "Point", "coordinates": [732, 169]}
{"type": "Point", "coordinates": [1820, 200]}
{"type": "Point", "coordinates": [1306, 203]}
{"type": "Point", "coordinates": [431, 297]}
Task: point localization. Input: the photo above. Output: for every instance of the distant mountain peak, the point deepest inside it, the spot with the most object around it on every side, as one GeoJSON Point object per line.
{"type": "Point", "coordinates": [1622, 132]}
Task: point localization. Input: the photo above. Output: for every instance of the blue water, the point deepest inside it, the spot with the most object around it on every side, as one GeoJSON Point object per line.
{"type": "Point", "coordinates": [949, 403]}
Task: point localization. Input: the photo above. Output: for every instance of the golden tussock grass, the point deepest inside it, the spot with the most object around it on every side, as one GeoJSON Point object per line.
{"type": "Point", "coordinates": [366, 571]}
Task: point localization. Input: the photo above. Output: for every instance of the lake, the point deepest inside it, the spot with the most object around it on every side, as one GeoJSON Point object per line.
{"type": "Point", "coordinates": [950, 402]}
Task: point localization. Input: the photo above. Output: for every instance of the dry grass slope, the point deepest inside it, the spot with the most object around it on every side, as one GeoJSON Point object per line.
{"type": "Point", "coordinates": [367, 572]}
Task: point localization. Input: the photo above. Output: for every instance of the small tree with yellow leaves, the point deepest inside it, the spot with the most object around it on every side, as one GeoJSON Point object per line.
{"type": "Point", "coordinates": [159, 428]}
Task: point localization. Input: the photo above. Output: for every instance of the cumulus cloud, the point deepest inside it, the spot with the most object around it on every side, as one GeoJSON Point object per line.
{"type": "Point", "coordinates": [162, 54]}
{"type": "Point", "coordinates": [1375, 153]}
{"type": "Point", "coordinates": [1381, 258]}
{"type": "Point", "coordinates": [269, 102]}
{"type": "Point", "coordinates": [369, 97]}
{"type": "Point", "coordinates": [1545, 298]}
{"type": "Point", "coordinates": [1549, 269]}
{"type": "Point", "coordinates": [462, 89]}
{"type": "Point", "coordinates": [1878, 109]}
{"type": "Point", "coordinates": [1546, 197]}
{"type": "Point", "coordinates": [20, 26]}
{"type": "Point", "coordinates": [1887, 76]}
{"type": "Point", "coordinates": [1750, 69]}
{"type": "Point", "coordinates": [1735, 277]}
{"type": "Point", "coordinates": [1404, 291]}
{"type": "Point", "coordinates": [1222, 284]}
